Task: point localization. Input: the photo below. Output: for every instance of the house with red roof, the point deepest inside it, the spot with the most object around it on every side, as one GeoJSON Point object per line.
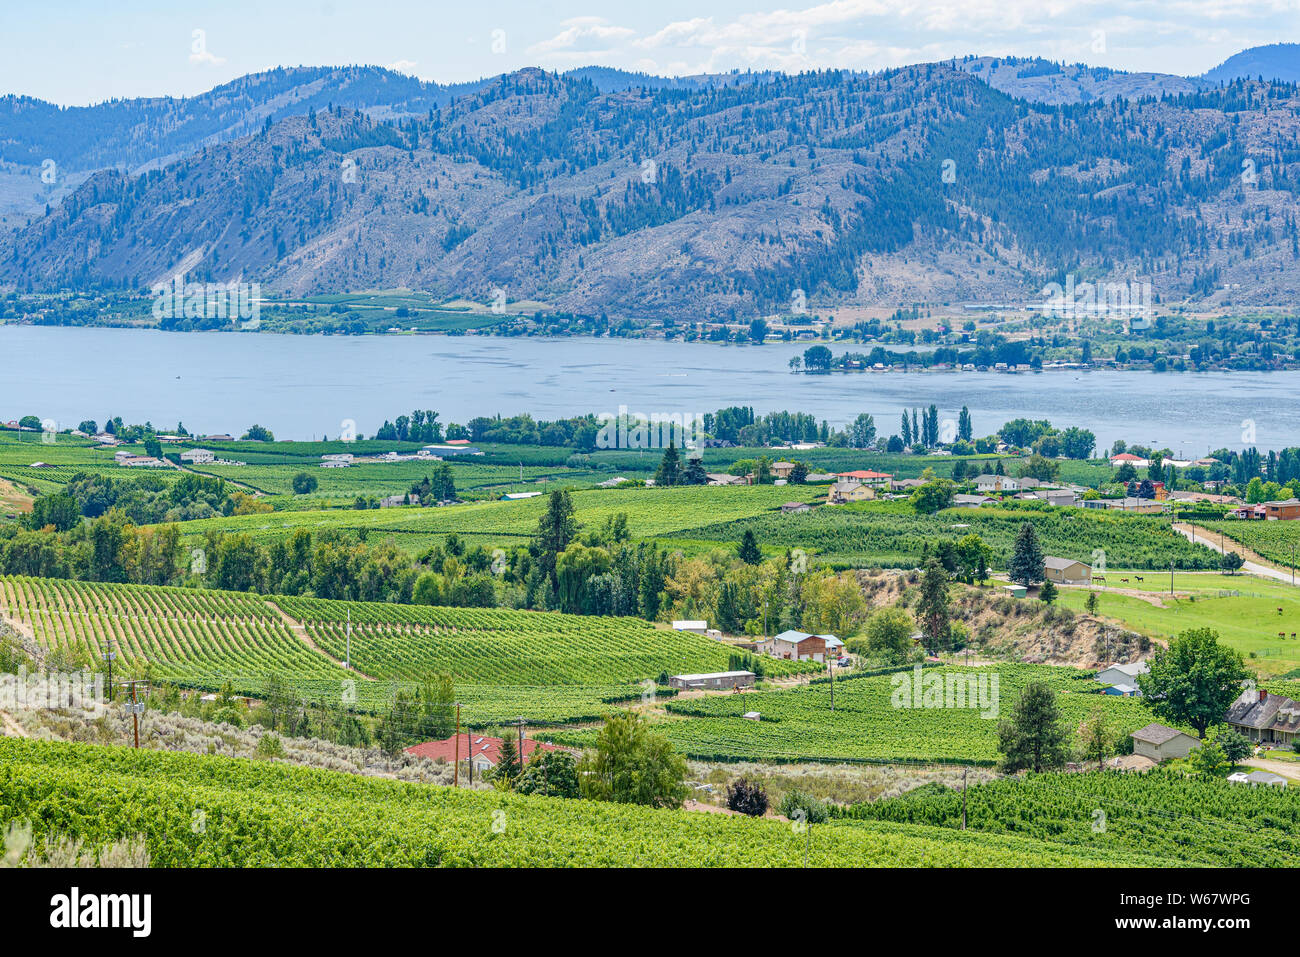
{"type": "Point", "coordinates": [866, 477]}
{"type": "Point", "coordinates": [1130, 459]}
{"type": "Point", "coordinates": [483, 749]}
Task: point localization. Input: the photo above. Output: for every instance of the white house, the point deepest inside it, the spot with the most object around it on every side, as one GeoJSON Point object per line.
{"type": "Point", "coordinates": [198, 456]}
{"type": "Point", "coordinates": [801, 646]}
{"type": "Point", "coordinates": [1123, 675]}
{"type": "Point", "coordinates": [996, 483]}
{"type": "Point", "coordinates": [695, 627]}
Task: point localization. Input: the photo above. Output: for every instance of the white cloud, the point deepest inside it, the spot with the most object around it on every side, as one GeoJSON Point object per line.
{"type": "Point", "coordinates": [204, 56]}
{"type": "Point", "coordinates": [583, 35]}
{"type": "Point", "coordinates": [403, 66]}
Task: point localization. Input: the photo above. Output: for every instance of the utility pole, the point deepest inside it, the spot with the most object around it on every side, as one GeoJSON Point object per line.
{"type": "Point", "coordinates": [963, 798]}
{"type": "Point", "coordinates": [135, 706]}
{"type": "Point", "coordinates": [455, 774]}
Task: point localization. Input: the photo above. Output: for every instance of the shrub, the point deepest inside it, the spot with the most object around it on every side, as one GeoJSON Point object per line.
{"type": "Point", "coordinates": [747, 797]}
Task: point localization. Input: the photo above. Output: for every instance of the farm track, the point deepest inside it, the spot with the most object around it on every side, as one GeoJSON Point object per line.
{"type": "Point", "coordinates": [10, 727]}
{"type": "Point", "coordinates": [300, 632]}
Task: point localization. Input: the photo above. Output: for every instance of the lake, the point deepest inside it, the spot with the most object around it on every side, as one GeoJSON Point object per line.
{"type": "Point", "coordinates": [304, 387]}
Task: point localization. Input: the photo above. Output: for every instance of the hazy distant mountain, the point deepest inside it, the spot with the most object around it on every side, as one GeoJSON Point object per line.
{"type": "Point", "coordinates": [1278, 61]}
{"type": "Point", "coordinates": [1044, 81]}
{"type": "Point", "coordinates": [715, 202]}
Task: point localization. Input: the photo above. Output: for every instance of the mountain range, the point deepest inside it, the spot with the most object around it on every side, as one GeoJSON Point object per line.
{"type": "Point", "coordinates": [599, 191]}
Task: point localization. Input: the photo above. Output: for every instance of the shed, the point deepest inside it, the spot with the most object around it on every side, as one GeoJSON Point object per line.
{"type": "Point", "coordinates": [716, 679]}
{"type": "Point", "coordinates": [1016, 591]}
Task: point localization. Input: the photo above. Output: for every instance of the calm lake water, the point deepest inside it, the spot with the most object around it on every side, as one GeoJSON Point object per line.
{"type": "Point", "coordinates": [305, 386]}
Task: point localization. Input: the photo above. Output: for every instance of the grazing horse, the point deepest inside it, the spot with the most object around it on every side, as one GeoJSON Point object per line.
{"type": "Point", "coordinates": [1125, 580]}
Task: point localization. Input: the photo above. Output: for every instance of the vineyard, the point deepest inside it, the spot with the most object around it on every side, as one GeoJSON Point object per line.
{"type": "Point", "coordinates": [1198, 822]}
{"type": "Point", "coordinates": [547, 667]}
{"type": "Point", "coordinates": [1277, 541]}
{"type": "Point", "coordinates": [650, 512]}
{"type": "Point", "coordinates": [258, 813]}
{"type": "Point", "coordinates": [798, 724]}
{"type": "Point", "coordinates": [506, 647]}
{"type": "Point", "coordinates": [892, 535]}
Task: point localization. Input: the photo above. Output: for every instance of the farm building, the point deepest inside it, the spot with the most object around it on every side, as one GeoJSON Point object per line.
{"type": "Point", "coordinates": [1066, 571]}
{"type": "Point", "coordinates": [971, 501]}
{"type": "Point", "coordinates": [695, 627]}
{"type": "Point", "coordinates": [198, 456]}
{"type": "Point", "coordinates": [1159, 743]}
{"type": "Point", "coordinates": [795, 508]}
{"type": "Point", "coordinates": [1265, 717]}
{"type": "Point", "coordinates": [801, 646]}
{"type": "Point", "coordinates": [716, 679]}
{"type": "Point", "coordinates": [486, 751]}
{"type": "Point", "coordinates": [782, 470]}
{"type": "Point", "coordinates": [1016, 591]}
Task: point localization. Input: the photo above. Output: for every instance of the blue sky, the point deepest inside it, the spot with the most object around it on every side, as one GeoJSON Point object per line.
{"type": "Point", "coordinates": [78, 51]}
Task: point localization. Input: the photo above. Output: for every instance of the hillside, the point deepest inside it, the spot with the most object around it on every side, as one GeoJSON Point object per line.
{"type": "Point", "coordinates": [717, 202]}
{"type": "Point", "coordinates": [1277, 61]}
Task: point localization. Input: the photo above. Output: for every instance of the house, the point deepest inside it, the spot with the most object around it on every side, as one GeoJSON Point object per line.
{"type": "Point", "coordinates": [1066, 571]}
{"type": "Point", "coordinates": [484, 750]}
{"type": "Point", "coordinates": [395, 501]}
{"type": "Point", "coordinates": [971, 501]}
{"type": "Point", "coordinates": [801, 646]}
{"type": "Point", "coordinates": [1058, 497]}
{"type": "Point", "coordinates": [1283, 510]}
{"type": "Point", "coordinates": [143, 461]}
{"type": "Point", "coordinates": [724, 478]}
{"type": "Point", "coordinates": [338, 457]}
{"type": "Point", "coordinates": [815, 478]}
{"type": "Point", "coordinates": [337, 464]}
{"type": "Point", "coordinates": [1248, 512]}
{"type": "Point", "coordinates": [996, 483]}
{"type": "Point", "coordinates": [866, 477]}
{"type": "Point", "coordinates": [795, 507]}
{"type": "Point", "coordinates": [842, 492]}
{"type": "Point", "coordinates": [782, 470]}
{"type": "Point", "coordinates": [198, 456]}
{"type": "Point", "coordinates": [1256, 778]}
{"type": "Point", "coordinates": [716, 679]}
{"type": "Point", "coordinates": [1142, 506]}
{"type": "Point", "coordinates": [1123, 678]}
{"type": "Point", "coordinates": [906, 485]}
{"type": "Point", "coordinates": [1128, 458]}
{"type": "Point", "coordinates": [695, 627]}
{"type": "Point", "coordinates": [1264, 717]}
{"type": "Point", "coordinates": [1159, 743]}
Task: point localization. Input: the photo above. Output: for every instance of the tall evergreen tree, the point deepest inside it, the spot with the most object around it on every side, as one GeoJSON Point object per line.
{"type": "Point", "coordinates": [932, 607]}
{"type": "Point", "coordinates": [907, 430]}
{"type": "Point", "coordinates": [669, 466]}
{"type": "Point", "coordinates": [965, 430]}
{"type": "Point", "coordinates": [1026, 564]}
{"type": "Point", "coordinates": [749, 552]}
{"type": "Point", "coordinates": [1036, 736]}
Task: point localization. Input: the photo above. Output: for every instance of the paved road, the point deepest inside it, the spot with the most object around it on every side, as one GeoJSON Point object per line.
{"type": "Point", "coordinates": [1252, 568]}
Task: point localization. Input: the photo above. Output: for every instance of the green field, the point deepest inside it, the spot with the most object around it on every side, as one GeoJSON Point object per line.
{"type": "Point", "coordinates": [1200, 822]}
{"type": "Point", "coordinates": [547, 667]}
{"type": "Point", "coordinates": [259, 813]}
{"type": "Point", "coordinates": [1277, 541]}
{"type": "Point", "coordinates": [892, 534]}
{"type": "Point", "coordinates": [1243, 609]}
{"type": "Point", "coordinates": [650, 512]}
{"type": "Point", "coordinates": [797, 724]}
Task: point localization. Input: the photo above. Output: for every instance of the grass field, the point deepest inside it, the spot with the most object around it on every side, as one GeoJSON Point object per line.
{"type": "Point", "coordinates": [1242, 609]}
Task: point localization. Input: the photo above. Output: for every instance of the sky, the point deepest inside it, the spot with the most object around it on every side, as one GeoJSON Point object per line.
{"type": "Point", "coordinates": [75, 52]}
